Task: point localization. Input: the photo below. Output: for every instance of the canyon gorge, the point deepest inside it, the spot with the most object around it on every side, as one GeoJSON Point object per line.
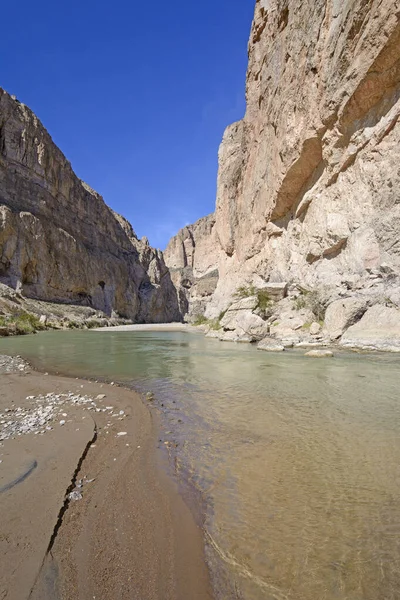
{"type": "Point", "coordinates": [303, 246]}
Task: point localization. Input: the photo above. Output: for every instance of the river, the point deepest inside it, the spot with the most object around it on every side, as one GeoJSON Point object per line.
{"type": "Point", "coordinates": [296, 460]}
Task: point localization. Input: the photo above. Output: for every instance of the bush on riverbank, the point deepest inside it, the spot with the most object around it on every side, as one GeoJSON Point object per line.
{"type": "Point", "coordinates": [20, 324]}
{"type": "Point", "coordinates": [211, 323]}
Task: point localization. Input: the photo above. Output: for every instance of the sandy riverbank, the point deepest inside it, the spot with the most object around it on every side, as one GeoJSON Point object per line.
{"type": "Point", "coordinates": [130, 535]}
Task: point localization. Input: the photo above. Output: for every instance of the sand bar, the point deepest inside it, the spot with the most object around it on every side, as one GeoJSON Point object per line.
{"type": "Point", "coordinates": [130, 535]}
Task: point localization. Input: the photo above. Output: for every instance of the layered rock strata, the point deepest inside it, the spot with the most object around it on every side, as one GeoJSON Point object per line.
{"type": "Point", "coordinates": [309, 182]}
{"type": "Point", "coordinates": [60, 242]}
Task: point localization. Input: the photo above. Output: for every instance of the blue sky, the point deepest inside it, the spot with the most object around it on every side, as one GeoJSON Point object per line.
{"type": "Point", "coordinates": [136, 94]}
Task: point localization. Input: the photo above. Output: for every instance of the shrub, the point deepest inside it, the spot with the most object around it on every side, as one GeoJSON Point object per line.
{"type": "Point", "coordinates": [212, 323]}
{"type": "Point", "coordinates": [264, 299]}
{"type": "Point", "coordinates": [300, 303]}
{"type": "Point", "coordinates": [92, 324]}
{"type": "Point", "coordinates": [317, 305]}
{"type": "Point", "coordinates": [314, 301]}
{"type": "Point", "coordinates": [21, 323]}
{"type": "Point", "coordinates": [200, 320]}
{"type": "Point", "coordinates": [245, 292]}
{"type": "Point", "coordinates": [25, 323]}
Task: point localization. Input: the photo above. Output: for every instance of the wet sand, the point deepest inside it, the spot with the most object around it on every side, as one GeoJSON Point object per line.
{"type": "Point", "coordinates": [130, 535]}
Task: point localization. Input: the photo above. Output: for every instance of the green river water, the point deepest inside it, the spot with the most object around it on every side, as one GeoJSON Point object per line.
{"type": "Point", "coordinates": [297, 460]}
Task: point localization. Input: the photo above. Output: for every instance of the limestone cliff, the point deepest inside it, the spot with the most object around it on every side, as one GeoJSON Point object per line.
{"type": "Point", "coordinates": [309, 181]}
{"type": "Point", "coordinates": [192, 258]}
{"type": "Point", "coordinates": [59, 241]}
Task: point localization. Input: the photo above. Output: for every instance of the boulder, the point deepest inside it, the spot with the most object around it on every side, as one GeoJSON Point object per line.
{"type": "Point", "coordinates": [379, 329]}
{"type": "Point", "coordinates": [315, 328]}
{"type": "Point", "coordinates": [236, 336]}
{"type": "Point", "coordinates": [319, 354]}
{"type": "Point", "coordinates": [291, 323]}
{"type": "Point", "coordinates": [240, 317]}
{"type": "Point", "coordinates": [276, 291]}
{"type": "Point", "coordinates": [249, 303]}
{"type": "Point", "coordinates": [341, 314]}
{"type": "Point", "coordinates": [270, 345]}
{"type": "Point", "coordinates": [290, 341]}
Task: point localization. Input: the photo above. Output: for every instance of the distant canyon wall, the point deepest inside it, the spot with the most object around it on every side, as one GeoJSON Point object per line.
{"type": "Point", "coordinates": [309, 180]}
{"type": "Point", "coordinates": [60, 242]}
{"type": "Point", "coordinates": [192, 257]}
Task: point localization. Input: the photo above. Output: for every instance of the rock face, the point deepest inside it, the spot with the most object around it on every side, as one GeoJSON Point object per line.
{"type": "Point", "coordinates": [309, 181]}
{"type": "Point", "coordinates": [341, 314]}
{"type": "Point", "coordinates": [240, 317]}
{"type": "Point", "coordinates": [58, 239]}
{"type": "Point", "coordinates": [378, 329]}
{"type": "Point", "coordinates": [192, 258]}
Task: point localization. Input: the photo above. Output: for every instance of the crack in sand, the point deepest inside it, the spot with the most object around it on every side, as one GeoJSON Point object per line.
{"type": "Point", "coordinates": [64, 506]}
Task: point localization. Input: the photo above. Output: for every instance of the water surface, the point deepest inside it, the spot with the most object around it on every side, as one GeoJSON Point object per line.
{"type": "Point", "coordinates": [297, 459]}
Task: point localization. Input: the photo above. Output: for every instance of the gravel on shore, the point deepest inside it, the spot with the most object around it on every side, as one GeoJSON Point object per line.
{"type": "Point", "coordinates": [86, 511]}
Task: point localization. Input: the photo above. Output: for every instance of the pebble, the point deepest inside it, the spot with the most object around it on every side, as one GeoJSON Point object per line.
{"type": "Point", "coordinates": [12, 364]}
{"type": "Point", "coordinates": [75, 495]}
{"type": "Point", "coordinates": [122, 433]}
{"type": "Point", "coordinates": [42, 410]}
{"type": "Point", "coordinates": [38, 417]}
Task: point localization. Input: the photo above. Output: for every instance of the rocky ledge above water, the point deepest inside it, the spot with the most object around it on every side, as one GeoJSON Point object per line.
{"type": "Point", "coordinates": [307, 319]}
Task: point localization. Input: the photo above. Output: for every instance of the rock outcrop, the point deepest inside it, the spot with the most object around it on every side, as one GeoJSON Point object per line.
{"type": "Point", "coordinates": [379, 329]}
{"type": "Point", "coordinates": [192, 258]}
{"type": "Point", "coordinates": [60, 242]}
{"type": "Point", "coordinates": [309, 181]}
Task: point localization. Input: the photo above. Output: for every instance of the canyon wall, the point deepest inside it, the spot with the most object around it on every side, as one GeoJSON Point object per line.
{"type": "Point", "coordinates": [60, 242]}
{"type": "Point", "coordinates": [192, 257]}
{"type": "Point", "coordinates": [309, 180]}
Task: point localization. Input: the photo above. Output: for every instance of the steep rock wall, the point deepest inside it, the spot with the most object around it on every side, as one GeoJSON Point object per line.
{"type": "Point", "coordinates": [309, 182]}
{"type": "Point", "coordinates": [192, 258]}
{"type": "Point", "coordinates": [59, 241]}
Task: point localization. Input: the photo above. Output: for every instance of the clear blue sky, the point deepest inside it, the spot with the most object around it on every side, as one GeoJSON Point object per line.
{"type": "Point", "coordinates": [136, 94]}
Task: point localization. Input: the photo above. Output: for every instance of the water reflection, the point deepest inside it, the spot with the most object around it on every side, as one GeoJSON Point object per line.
{"type": "Point", "coordinates": [297, 458]}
